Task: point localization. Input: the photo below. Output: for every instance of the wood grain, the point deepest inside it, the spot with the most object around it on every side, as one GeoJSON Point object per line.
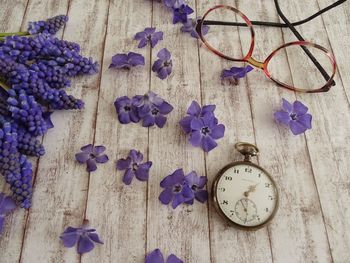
{"type": "Point", "coordinates": [311, 170]}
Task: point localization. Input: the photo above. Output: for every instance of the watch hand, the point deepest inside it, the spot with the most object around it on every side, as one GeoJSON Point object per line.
{"type": "Point", "coordinates": [251, 189]}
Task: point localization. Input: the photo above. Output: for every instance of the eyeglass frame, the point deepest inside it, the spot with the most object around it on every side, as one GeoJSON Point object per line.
{"type": "Point", "coordinates": [263, 65]}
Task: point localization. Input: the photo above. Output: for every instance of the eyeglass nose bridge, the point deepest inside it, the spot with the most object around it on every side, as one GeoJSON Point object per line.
{"type": "Point", "coordinates": [252, 61]}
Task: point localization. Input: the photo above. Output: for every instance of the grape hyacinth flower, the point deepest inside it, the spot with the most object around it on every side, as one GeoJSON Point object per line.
{"type": "Point", "coordinates": [50, 26]}
{"type": "Point", "coordinates": [133, 166]}
{"type": "Point", "coordinates": [152, 109]}
{"type": "Point", "coordinates": [197, 184]}
{"type": "Point", "coordinates": [6, 206]}
{"type": "Point", "coordinates": [176, 189]}
{"type": "Point", "coordinates": [180, 14]}
{"type": "Point", "coordinates": [91, 155]}
{"type": "Point", "coordinates": [295, 116]}
{"type": "Point", "coordinates": [233, 74]}
{"type": "Point", "coordinates": [126, 110]}
{"type": "Point", "coordinates": [126, 61]}
{"type": "Point", "coordinates": [190, 27]}
{"type": "Point", "coordinates": [83, 236]}
{"type": "Point", "coordinates": [163, 65]}
{"type": "Point", "coordinates": [174, 3]}
{"type": "Point", "coordinates": [149, 36]}
{"type": "Point", "coordinates": [203, 127]}
{"type": "Point", "coordinates": [156, 256]}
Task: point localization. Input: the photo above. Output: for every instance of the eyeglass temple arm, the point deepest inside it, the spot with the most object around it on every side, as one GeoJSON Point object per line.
{"type": "Point", "coordinates": [307, 51]}
{"type": "Point", "coordinates": [275, 24]}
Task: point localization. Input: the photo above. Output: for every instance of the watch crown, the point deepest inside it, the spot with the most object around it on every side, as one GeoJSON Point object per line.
{"type": "Point", "coordinates": [247, 149]}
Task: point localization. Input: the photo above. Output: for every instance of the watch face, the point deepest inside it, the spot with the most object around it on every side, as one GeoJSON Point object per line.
{"type": "Point", "coordinates": [246, 195]}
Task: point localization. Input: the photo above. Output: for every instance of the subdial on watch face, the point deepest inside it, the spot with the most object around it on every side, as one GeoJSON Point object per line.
{"type": "Point", "coordinates": [245, 210]}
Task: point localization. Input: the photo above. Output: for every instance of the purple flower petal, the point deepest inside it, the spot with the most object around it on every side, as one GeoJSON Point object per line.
{"type": "Point", "coordinates": [297, 128]}
{"type": "Point", "coordinates": [128, 176]}
{"type": "Point", "coordinates": [82, 157]}
{"type": "Point", "coordinates": [143, 43]}
{"type": "Point", "coordinates": [7, 204]}
{"type": "Point", "coordinates": [102, 158]}
{"type": "Point", "coordinates": [94, 237]}
{"type": "Point", "coordinates": [119, 61]}
{"type": "Point", "coordinates": [70, 238]}
{"type": "Point", "coordinates": [178, 200]}
{"type": "Point", "coordinates": [164, 54]}
{"type": "Point", "coordinates": [166, 196]}
{"type": "Point", "coordinates": [136, 156]}
{"type": "Point", "coordinates": [282, 116]}
{"type": "Point", "coordinates": [91, 165]}
{"type": "Point", "coordinates": [196, 138]}
{"type": "Point", "coordinates": [208, 143]}
{"type": "Point", "coordinates": [160, 121]}
{"type": "Point", "coordinates": [87, 148]}
{"type": "Point", "coordinates": [173, 259]}
{"type": "Point", "coordinates": [186, 123]}
{"type": "Point", "coordinates": [218, 131]}
{"type": "Point", "coordinates": [124, 118]}
{"type": "Point", "coordinates": [201, 196]}
{"type": "Point", "coordinates": [162, 73]}
{"type": "Point", "coordinates": [299, 108]}
{"type": "Point", "coordinates": [165, 108]}
{"type": "Point", "coordinates": [176, 177]}
{"type": "Point", "coordinates": [194, 109]}
{"type": "Point", "coordinates": [154, 257]}
{"type": "Point", "coordinates": [136, 59]}
{"type": "Point", "coordinates": [98, 149]}
{"type": "Point", "coordinates": [287, 106]}
{"type": "Point", "coordinates": [140, 35]}
{"type": "Point", "coordinates": [197, 124]}
{"type": "Point", "coordinates": [157, 65]}
{"type": "Point", "coordinates": [148, 121]}
{"type": "Point", "coordinates": [123, 164]}
{"type": "Point", "coordinates": [85, 245]}
{"type": "Point", "coordinates": [305, 120]}
{"type": "Point", "coordinates": [142, 173]}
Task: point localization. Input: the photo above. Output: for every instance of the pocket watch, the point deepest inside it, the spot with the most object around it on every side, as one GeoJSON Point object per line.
{"type": "Point", "coordinates": [244, 194]}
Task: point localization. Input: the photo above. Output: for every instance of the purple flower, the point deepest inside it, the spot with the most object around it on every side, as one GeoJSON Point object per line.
{"type": "Point", "coordinates": [203, 127]}
{"type": "Point", "coordinates": [6, 206]}
{"type": "Point", "coordinates": [295, 116]}
{"type": "Point", "coordinates": [197, 183]}
{"type": "Point", "coordinates": [174, 3]}
{"type": "Point", "coordinates": [84, 236]}
{"type": "Point", "coordinates": [164, 65]}
{"type": "Point", "coordinates": [91, 155]}
{"type": "Point", "coordinates": [190, 27]}
{"type": "Point", "coordinates": [233, 74]}
{"type": "Point", "coordinates": [133, 166]}
{"type": "Point", "coordinates": [156, 256]}
{"type": "Point", "coordinates": [180, 14]}
{"type": "Point", "coordinates": [149, 36]}
{"type": "Point", "coordinates": [126, 61]}
{"type": "Point", "coordinates": [152, 110]}
{"type": "Point", "coordinates": [126, 110]}
{"type": "Point", "coordinates": [50, 26]}
{"type": "Point", "coordinates": [176, 189]}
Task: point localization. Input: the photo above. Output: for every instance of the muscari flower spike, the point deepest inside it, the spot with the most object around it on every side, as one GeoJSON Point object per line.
{"type": "Point", "coordinates": [190, 27]}
{"type": "Point", "coordinates": [83, 236]}
{"type": "Point", "coordinates": [156, 256]}
{"type": "Point", "coordinates": [235, 73]}
{"type": "Point", "coordinates": [50, 26]}
{"type": "Point", "coordinates": [134, 166]}
{"type": "Point", "coordinates": [7, 205]}
{"type": "Point", "coordinates": [91, 155]}
{"type": "Point", "coordinates": [127, 61]}
{"type": "Point", "coordinates": [295, 116]}
{"type": "Point", "coordinates": [149, 36]}
{"type": "Point", "coordinates": [163, 66]}
{"type": "Point", "coordinates": [202, 126]}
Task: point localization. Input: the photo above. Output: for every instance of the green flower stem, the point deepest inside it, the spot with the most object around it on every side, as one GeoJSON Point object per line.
{"type": "Point", "coordinates": [25, 33]}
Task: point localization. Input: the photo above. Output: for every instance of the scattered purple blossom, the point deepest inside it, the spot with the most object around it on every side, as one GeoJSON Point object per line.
{"type": "Point", "coordinates": [156, 256]}
{"type": "Point", "coordinates": [179, 189]}
{"type": "Point", "coordinates": [83, 236]}
{"type": "Point", "coordinates": [133, 166]}
{"type": "Point", "coordinates": [126, 61]}
{"type": "Point", "coordinates": [295, 116]}
{"type": "Point", "coordinates": [163, 65]}
{"type": "Point", "coordinates": [7, 204]}
{"type": "Point", "coordinates": [91, 155]}
{"type": "Point", "coordinates": [174, 3]}
{"type": "Point", "coordinates": [190, 27]}
{"type": "Point", "coordinates": [149, 36]}
{"type": "Point", "coordinates": [180, 14]}
{"type": "Point", "coordinates": [234, 74]}
{"type": "Point", "coordinates": [202, 126]}
{"type": "Point", "coordinates": [150, 108]}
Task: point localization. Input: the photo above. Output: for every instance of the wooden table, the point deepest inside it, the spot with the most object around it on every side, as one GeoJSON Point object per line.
{"type": "Point", "coordinates": [312, 170]}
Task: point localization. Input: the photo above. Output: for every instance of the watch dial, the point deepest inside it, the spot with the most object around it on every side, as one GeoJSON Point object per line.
{"type": "Point", "coordinates": [246, 195]}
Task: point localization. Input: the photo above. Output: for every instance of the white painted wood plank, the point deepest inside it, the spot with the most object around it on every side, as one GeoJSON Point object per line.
{"type": "Point", "coordinates": [11, 13]}
{"type": "Point", "coordinates": [233, 109]}
{"type": "Point", "coordinates": [297, 233]}
{"type": "Point", "coordinates": [328, 142]}
{"type": "Point", "coordinates": [183, 231]}
{"type": "Point", "coordinates": [61, 185]}
{"type": "Point", "coordinates": [118, 211]}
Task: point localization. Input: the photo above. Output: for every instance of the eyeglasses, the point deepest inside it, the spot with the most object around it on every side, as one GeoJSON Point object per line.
{"type": "Point", "coordinates": [223, 40]}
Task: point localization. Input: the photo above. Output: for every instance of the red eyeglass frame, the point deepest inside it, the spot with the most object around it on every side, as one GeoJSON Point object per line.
{"type": "Point", "coordinates": [263, 65]}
